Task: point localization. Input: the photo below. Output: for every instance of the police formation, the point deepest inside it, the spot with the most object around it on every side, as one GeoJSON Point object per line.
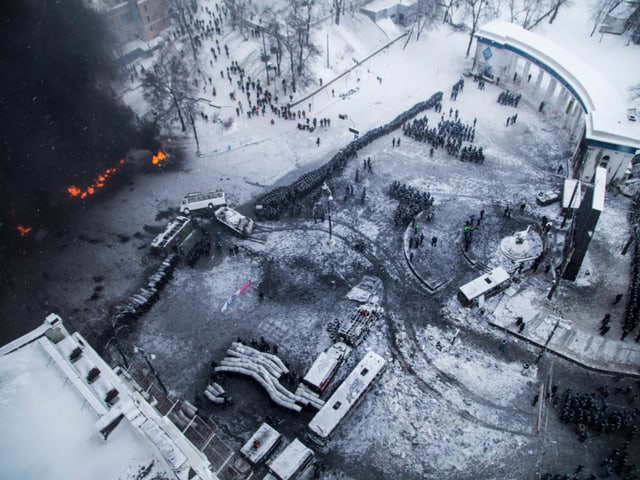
{"type": "Point", "coordinates": [593, 416]}
{"type": "Point", "coordinates": [449, 134]}
{"type": "Point", "coordinates": [273, 204]}
{"type": "Point", "coordinates": [632, 311]}
{"type": "Point", "coordinates": [456, 89]}
{"type": "Point", "coordinates": [202, 247]}
{"type": "Point", "coordinates": [509, 99]}
{"type": "Point", "coordinates": [411, 201]}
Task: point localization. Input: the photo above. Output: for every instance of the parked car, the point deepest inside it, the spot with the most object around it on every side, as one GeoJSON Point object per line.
{"type": "Point", "coordinates": [547, 198]}
{"type": "Point", "coordinates": [632, 114]}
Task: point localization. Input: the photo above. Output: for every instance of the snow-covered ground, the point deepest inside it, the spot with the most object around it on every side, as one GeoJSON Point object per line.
{"type": "Point", "coordinates": [462, 411]}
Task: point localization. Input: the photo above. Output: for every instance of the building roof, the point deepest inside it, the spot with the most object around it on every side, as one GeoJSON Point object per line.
{"type": "Point", "coordinates": [604, 107]}
{"type": "Point", "coordinates": [56, 424]}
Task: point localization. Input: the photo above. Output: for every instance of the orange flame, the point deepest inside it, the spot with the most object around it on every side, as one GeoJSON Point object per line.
{"type": "Point", "coordinates": [159, 157]}
{"type": "Point", "coordinates": [98, 182]}
{"type": "Point", "coordinates": [24, 231]}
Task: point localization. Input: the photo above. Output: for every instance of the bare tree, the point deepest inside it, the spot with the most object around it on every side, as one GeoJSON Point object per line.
{"type": "Point", "coordinates": [237, 11]}
{"type": "Point", "coordinates": [448, 6]}
{"type": "Point", "coordinates": [549, 9]}
{"type": "Point", "coordinates": [271, 27]}
{"type": "Point", "coordinates": [338, 9]}
{"type": "Point", "coordinates": [555, 6]}
{"type": "Point", "coordinates": [634, 91]}
{"type": "Point", "coordinates": [184, 16]}
{"type": "Point", "coordinates": [600, 10]}
{"type": "Point", "coordinates": [526, 12]}
{"type": "Point", "coordinates": [425, 15]}
{"type": "Point", "coordinates": [168, 88]}
{"type": "Point", "coordinates": [475, 10]}
{"type": "Point", "coordinates": [297, 36]}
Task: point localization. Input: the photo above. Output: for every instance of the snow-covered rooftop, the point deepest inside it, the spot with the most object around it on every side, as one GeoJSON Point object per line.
{"type": "Point", "coordinates": [380, 5]}
{"type": "Point", "coordinates": [605, 109]}
{"type": "Point", "coordinates": [57, 424]}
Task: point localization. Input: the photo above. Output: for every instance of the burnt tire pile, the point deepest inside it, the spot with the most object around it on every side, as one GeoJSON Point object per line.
{"type": "Point", "coordinates": [146, 296]}
{"type": "Point", "coordinates": [274, 203]}
{"type": "Point", "coordinates": [411, 201]}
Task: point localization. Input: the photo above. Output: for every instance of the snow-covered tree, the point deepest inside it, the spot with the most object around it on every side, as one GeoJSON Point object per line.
{"type": "Point", "coordinates": [297, 35]}
{"type": "Point", "coordinates": [599, 11]}
{"type": "Point", "coordinates": [525, 12]}
{"type": "Point", "coordinates": [184, 16]}
{"type": "Point", "coordinates": [475, 11]}
{"type": "Point", "coordinates": [168, 88]}
{"type": "Point", "coordinates": [425, 15]}
{"type": "Point", "coordinates": [338, 9]}
{"type": "Point", "coordinates": [555, 7]}
{"type": "Point", "coordinates": [529, 13]}
{"type": "Point", "coordinates": [237, 13]}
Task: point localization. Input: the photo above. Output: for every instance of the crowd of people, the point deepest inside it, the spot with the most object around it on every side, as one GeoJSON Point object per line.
{"type": "Point", "coordinates": [456, 89]}
{"type": "Point", "coordinates": [272, 204]}
{"type": "Point", "coordinates": [449, 134]}
{"type": "Point", "coordinates": [411, 201]}
{"type": "Point", "coordinates": [508, 98]}
{"type": "Point", "coordinates": [632, 311]}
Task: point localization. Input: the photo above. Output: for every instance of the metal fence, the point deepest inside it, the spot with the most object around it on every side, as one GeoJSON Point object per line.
{"type": "Point", "coordinates": [225, 462]}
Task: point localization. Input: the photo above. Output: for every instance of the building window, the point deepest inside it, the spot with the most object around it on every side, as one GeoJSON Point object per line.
{"type": "Point", "coordinates": [605, 161]}
{"type": "Point", "coordinates": [145, 7]}
{"type": "Point", "coordinates": [148, 19]}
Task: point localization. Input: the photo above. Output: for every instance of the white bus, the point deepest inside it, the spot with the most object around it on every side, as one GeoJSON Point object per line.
{"type": "Point", "coordinates": [325, 367]}
{"type": "Point", "coordinates": [347, 396]}
{"type": "Point", "coordinates": [193, 202]}
{"type": "Point", "coordinates": [483, 287]}
{"type": "Point", "coordinates": [291, 462]}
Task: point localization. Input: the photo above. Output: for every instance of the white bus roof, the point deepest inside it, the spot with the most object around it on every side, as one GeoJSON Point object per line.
{"type": "Point", "coordinates": [325, 364]}
{"type": "Point", "coordinates": [567, 192]}
{"type": "Point", "coordinates": [599, 189]}
{"type": "Point", "coordinates": [486, 282]}
{"type": "Point", "coordinates": [287, 464]}
{"type": "Point", "coordinates": [212, 194]}
{"type": "Point", "coordinates": [347, 394]}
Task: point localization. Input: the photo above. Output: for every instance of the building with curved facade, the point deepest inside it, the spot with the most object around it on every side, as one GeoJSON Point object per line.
{"type": "Point", "coordinates": [590, 110]}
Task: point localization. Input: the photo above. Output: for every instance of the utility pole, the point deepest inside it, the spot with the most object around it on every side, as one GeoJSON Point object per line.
{"type": "Point", "coordinates": [265, 57]}
{"type": "Point", "coordinates": [327, 50]}
{"type": "Point", "coordinates": [326, 188]}
{"type": "Point", "coordinates": [153, 370]}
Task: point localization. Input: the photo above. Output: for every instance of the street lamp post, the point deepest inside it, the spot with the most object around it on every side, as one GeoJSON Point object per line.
{"type": "Point", "coordinates": [326, 188]}
{"type": "Point", "coordinates": [146, 356]}
{"type": "Point", "coordinates": [116, 344]}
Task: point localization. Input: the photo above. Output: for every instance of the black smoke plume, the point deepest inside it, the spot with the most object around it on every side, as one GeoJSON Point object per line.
{"type": "Point", "coordinates": [60, 122]}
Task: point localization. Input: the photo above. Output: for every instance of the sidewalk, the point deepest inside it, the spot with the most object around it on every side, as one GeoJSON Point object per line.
{"type": "Point", "coordinates": [567, 325]}
{"type": "Point", "coordinates": [545, 325]}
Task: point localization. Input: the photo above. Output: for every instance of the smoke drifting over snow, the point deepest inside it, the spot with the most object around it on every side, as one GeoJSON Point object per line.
{"type": "Point", "coordinates": [61, 123]}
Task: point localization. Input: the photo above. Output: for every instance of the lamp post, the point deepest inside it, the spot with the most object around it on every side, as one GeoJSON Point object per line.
{"type": "Point", "coordinates": [146, 356]}
{"type": "Point", "coordinates": [326, 188]}
{"type": "Point", "coordinates": [116, 344]}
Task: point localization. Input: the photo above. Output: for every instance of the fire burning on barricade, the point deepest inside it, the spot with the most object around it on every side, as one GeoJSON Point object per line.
{"type": "Point", "coordinates": [159, 157]}
{"type": "Point", "coordinates": [97, 183]}
{"type": "Point", "coordinates": [24, 231]}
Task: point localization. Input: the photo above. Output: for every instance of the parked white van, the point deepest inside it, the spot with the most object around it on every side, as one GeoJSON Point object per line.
{"type": "Point", "coordinates": [193, 202]}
